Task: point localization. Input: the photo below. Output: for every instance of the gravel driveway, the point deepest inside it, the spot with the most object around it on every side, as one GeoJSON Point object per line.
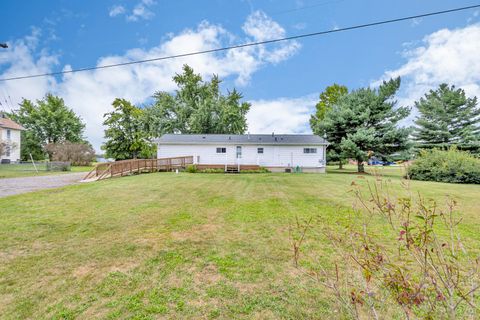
{"type": "Point", "coordinates": [11, 186]}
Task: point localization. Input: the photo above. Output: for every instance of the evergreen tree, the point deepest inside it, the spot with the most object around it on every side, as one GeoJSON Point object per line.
{"type": "Point", "coordinates": [447, 117]}
{"type": "Point", "coordinates": [366, 123]}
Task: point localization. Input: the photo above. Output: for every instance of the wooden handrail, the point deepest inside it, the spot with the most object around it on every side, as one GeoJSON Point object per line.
{"type": "Point", "coordinates": [124, 167]}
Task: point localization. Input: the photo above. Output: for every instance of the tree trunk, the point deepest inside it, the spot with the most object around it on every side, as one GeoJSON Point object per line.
{"type": "Point", "coordinates": [340, 164]}
{"type": "Point", "coordinates": [360, 166]}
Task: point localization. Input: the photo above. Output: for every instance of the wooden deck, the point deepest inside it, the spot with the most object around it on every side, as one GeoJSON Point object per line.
{"type": "Point", "coordinates": [137, 166]}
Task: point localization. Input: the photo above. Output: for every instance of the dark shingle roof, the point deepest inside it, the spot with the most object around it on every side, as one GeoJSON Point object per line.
{"type": "Point", "coordinates": [280, 139]}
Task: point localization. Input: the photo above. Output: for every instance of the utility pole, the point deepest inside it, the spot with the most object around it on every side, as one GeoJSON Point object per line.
{"type": "Point", "coordinates": [3, 45]}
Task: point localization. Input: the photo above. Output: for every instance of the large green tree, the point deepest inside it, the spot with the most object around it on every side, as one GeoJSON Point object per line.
{"type": "Point", "coordinates": [197, 106]}
{"type": "Point", "coordinates": [447, 117]}
{"type": "Point", "coordinates": [366, 122]}
{"type": "Point", "coordinates": [125, 135]}
{"type": "Point", "coordinates": [328, 99]}
{"type": "Point", "coordinates": [48, 120]}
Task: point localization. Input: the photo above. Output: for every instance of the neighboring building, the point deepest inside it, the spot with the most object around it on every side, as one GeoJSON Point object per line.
{"type": "Point", "coordinates": [278, 153]}
{"type": "Point", "coordinates": [10, 132]}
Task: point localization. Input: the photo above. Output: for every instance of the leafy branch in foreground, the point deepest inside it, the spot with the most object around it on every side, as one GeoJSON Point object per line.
{"type": "Point", "coordinates": [418, 268]}
{"type": "Point", "coordinates": [297, 234]}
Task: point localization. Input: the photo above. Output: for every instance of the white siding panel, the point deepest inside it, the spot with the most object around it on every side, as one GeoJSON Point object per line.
{"type": "Point", "coordinates": [281, 156]}
{"type": "Point", "coordinates": [15, 138]}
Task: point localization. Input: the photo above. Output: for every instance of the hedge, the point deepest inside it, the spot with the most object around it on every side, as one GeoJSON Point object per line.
{"type": "Point", "coordinates": [453, 166]}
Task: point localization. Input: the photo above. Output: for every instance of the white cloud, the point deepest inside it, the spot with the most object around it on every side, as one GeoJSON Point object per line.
{"type": "Point", "coordinates": [283, 115]}
{"type": "Point", "coordinates": [116, 10]}
{"type": "Point", "coordinates": [91, 93]}
{"type": "Point", "coordinates": [261, 27]}
{"type": "Point", "coordinates": [445, 56]}
{"type": "Point", "coordinates": [300, 26]}
{"type": "Point", "coordinates": [20, 60]}
{"type": "Point", "coordinates": [416, 21]}
{"type": "Point", "coordinates": [141, 11]}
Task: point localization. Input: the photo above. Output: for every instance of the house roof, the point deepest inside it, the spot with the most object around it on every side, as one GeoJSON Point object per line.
{"type": "Point", "coordinates": [257, 139]}
{"type": "Point", "coordinates": [9, 124]}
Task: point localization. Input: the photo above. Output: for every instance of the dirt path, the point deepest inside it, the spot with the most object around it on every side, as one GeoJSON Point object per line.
{"type": "Point", "coordinates": [11, 186]}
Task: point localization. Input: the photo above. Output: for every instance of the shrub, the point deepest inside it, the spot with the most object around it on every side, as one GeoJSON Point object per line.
{"type": "Point", "coordinates": [452, 166]}
{"type": "Point", "coordinates": [58, 166]}
{"type": "Point", "coordinates": [260, 170]}
{"type": "Point", "coordinates": [212, 170]}
{"type": "Point", "coordinates": [191, 168]}
{"type": "Point", "coordinates": [78, 154]}
{"type": "Point", "coordinates": [417, 265]}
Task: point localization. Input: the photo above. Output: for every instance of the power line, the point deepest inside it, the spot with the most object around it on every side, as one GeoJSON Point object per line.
{"type": "Point", "coordinates": [250, 44]}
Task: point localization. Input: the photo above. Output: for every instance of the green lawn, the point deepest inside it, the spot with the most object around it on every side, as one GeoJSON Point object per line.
{"type": "Point", "coordinates": [15, 171]}
{"type": "Point", "coordinates": [180, 246]}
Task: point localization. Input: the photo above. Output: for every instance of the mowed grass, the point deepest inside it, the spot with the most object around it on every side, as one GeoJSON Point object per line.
{"type": "Point", "coordinates": [195, 246]}
{"type": "Point", "coordinates": [17, 171]}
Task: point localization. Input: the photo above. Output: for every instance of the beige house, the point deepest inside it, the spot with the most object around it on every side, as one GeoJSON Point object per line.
{"type": "Point", "coordinates": [10, 132]}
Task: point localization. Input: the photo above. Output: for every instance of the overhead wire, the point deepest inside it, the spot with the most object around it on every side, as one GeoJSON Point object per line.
{"type": "Point", "coordinates": [249, 44]}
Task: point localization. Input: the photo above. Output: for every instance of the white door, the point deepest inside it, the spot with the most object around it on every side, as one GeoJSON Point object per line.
{"type": "Point", "coordinates": [238, 154]}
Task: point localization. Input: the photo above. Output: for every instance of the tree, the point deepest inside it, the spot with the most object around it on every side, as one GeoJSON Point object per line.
{"type": "Point", "coordinates": [328, 99]}
{"type": "Point", "coordinates": [48, 120]}
{"type": "Point", "coordinates": [197, 106]}
{"type": "Point", "coordinates": [78, 154]}
{"type": "Point", "coordinates": [125, 134]}
{"type": "Point", "coordinates": [365, 121]}
{"type": "Point", "coordinates": [447, 117]}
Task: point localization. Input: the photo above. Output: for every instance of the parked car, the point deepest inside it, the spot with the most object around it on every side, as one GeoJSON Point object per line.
{"type": "Point", "coordinates": [376, 162]}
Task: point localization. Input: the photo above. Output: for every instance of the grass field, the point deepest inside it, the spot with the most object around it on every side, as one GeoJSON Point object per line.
{"type": "Point", "coordinates": [27, 170]}
{"type": "Point", "coordinates": [181, 246]}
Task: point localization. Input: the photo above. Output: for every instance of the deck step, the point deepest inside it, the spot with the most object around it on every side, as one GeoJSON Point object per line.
{"type": "Point", "coordinates": [232, 170]}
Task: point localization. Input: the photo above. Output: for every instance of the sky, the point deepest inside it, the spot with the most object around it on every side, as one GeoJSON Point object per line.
{"type": "Point", "coordinates": [282, 81]}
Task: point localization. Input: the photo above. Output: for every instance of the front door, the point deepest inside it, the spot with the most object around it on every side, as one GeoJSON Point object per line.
{"type": "Point", "coordinates": [239, 154]}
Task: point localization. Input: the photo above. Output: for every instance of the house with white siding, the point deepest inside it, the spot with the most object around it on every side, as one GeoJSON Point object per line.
{"type": "Point", "coordinates": [276, 152]}
{"type": "Point", "coordinates": [10, 134]}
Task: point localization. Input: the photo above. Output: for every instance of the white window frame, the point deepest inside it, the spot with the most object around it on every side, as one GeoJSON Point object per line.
{"type": "Point", "coordinates": [260, 148]}
{"type": "Point", "coordinates": [223, 150]}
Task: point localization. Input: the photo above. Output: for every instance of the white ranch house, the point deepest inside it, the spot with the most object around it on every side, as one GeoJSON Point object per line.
{"type": "Point", "coordinates": [10, 132]}
{"type": "Point", "coordinates": [276, 152]}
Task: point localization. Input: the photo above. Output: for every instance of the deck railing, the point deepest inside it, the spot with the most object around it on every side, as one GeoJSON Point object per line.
{"type": "Point", "coordinates": [135, 166]}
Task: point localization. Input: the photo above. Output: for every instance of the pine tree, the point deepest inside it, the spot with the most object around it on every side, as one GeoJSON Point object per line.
{"type": "Point", "coordinates": [366, 122]}
{"type": "Point", "coordinates": [447, 117]}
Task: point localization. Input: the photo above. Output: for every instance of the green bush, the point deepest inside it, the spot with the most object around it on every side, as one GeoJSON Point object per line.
{"type": "Point", "coordinates": [212, 170]}
{"type": "Point", "coordinates": [191, 168]}
{"type": "Point", "coordinates": [452, 166]}
{"type": "Point", "coordinates": [260, 170]}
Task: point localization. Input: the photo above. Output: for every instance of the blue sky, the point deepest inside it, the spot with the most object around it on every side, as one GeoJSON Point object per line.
{"type": "Point", "coordinates": [282, 81]}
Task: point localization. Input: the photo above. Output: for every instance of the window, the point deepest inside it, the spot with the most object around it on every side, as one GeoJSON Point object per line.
{"type": "Point", "coordinates": [221, 150]}
{"type": "Point", "coordinates": [8, 134]}
{"type": "Point", "coordinates": [260, 150]}
{"type": "Point", "coordinates": [7, 151]}
{"type": "Point", "coordinates": [309, 150]}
